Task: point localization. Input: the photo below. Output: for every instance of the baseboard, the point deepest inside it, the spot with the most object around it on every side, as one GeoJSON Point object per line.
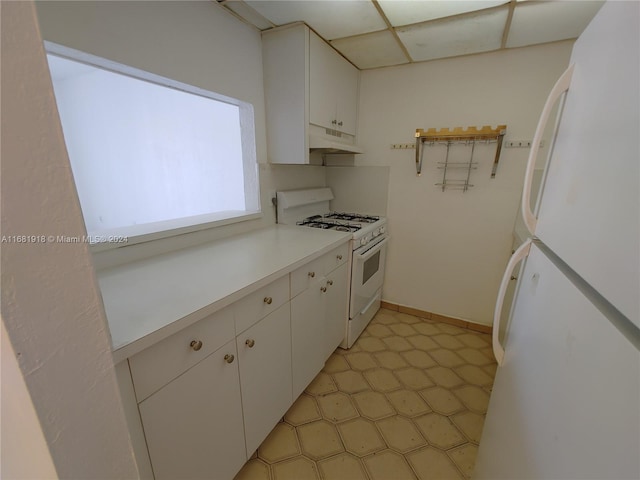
{"type": "Point", "coordinates": [389, 306]}
{"type": "Point", "coordinates": [476, 327]}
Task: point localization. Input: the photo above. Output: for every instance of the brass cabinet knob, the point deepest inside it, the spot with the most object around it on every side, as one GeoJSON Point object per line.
{"type": "Point", "coordinates": [229, 358]}
{"type": "Point", "coordinates": [333, 122]}
{"type": "Point", "coordinates": [250, 343]}
{"type": "Point", "coordinates": [323, 289]}
{"type": "Point", "coordinates": [513, 277]}
{"type": "Point", "coordinates": [268, 300]}
{"type": "Point", "coordinates": [329, 282]}
{"type": "Point", "coordinates": [196, 345]}
{"type": "Point", "coordinates": [312, 274]}
{"type": "Point", "coordinates": [340, 123]}
{"type": "Point", "coordinates": [339, 257]}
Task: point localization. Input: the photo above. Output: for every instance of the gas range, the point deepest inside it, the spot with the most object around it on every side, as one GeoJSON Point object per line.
{"type": "Point", "coordinates": [364, 227]}
{"type": "Point", "coordinates": [310, 208]}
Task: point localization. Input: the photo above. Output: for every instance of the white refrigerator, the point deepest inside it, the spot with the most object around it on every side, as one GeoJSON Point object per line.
{"type": "Point", "coordinates": [566, 398]}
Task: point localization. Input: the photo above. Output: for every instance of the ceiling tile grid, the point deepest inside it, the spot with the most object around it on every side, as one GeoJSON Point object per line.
{"type": "Point", "coordinates": [460, 35]}
{"type": "Point", "coordinates": [380, 33]}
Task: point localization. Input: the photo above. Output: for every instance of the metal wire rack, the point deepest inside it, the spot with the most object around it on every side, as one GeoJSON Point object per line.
{"type": "Point", "coordinates": [458, 136]}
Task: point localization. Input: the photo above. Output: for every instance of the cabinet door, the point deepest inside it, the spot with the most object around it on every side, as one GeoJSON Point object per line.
{"type": "Point", "coordinates": [264, 351]}
{"type": "Point", "coordinates": [307, 335]}
{"type": "Point", "coordinates": [336, 309]}
{"type": "Point", "coordinates": [346, 93]}
{"type": "Point", "coordinates": [322, 83]}
{"type": "Point", "coordinates": [286, 82]}
{"type": "Point", "coordinates": [333, 88]}
{"type": "Point", "coordinates": [193, 425]}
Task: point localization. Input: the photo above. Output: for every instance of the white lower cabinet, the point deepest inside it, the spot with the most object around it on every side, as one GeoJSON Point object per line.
{"type": "Point", "coordinates": [264, 353]}
{"type": "Point", "coordinates": [318, 315]}
{"type": "Point", "coordinates": [337, 305]}
{"type": "Point", "coordinates": [307, 334]}
{"type": "Point", "coordinates": [194, 424]}
{"type": "Point", "coordinates": [210, 394]}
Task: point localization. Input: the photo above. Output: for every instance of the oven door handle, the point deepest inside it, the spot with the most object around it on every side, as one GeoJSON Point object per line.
{"type": "Point", "coordinates": [371, 251]}
{"type": "Point", "coordinates": [373, 300]}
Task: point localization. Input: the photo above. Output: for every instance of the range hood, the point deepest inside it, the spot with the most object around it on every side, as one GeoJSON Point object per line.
{"type": "Point", "coordinates": [326, 145]}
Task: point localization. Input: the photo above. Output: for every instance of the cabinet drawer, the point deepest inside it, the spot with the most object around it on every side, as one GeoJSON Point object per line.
{"type": "Point", "coordinates": [305, 275]}
{"type": "Point", "coordinates": [156, 366]}
{"type": "Point", "coordinates": [261, 303]}
{"type": "Point", "coordinates": [336, 257]}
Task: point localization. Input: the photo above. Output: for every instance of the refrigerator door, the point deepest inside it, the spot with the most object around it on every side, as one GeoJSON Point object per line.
{"type": "Point", "coordinates": [566, 402]}
{"type": "Point", "coordinates": [589, 214]}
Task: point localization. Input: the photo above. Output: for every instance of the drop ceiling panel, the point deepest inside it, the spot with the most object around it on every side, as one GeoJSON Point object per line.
{"type": "Point", "coordinates": [540, 22]}
{"type": "Point", "coordinates": [405, 12]}
{"type": "Point", "coordinates": [372, 50]}
{"type": "Point", "coordinates": [428, 29]}
{"type": "Point", "coordinates": [331, 18]}
{"type": "Point", "coordinates": [468, 34]}
{"type": "Point", "coordinates": [249, 14]}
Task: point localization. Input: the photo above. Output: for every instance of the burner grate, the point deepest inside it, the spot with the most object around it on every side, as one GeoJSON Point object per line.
{"type": "Point", "coordinates": [352, 217]}
{"type": "Point", "coordinates": [319, 222]}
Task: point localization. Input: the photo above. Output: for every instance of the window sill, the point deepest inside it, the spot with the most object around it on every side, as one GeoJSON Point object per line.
{"type": "Point", "coordinates": [111, 239]}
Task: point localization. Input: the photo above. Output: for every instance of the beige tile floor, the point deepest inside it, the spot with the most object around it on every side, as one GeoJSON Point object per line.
{"type": "Point", "coordinates": [407, 401]}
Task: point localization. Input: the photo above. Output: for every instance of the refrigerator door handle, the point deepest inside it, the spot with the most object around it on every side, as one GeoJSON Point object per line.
{"type": "Point", "coordinates": [521, 253]}
{"type": "Point", "coordinates": [561, 86]}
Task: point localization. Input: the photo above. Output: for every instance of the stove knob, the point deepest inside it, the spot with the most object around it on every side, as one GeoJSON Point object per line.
{"type": "Point", "coordinates": [382, 230]}
{"type": "Point", "coordinates": [364, 241]}
{"type": "Point", "coordinates": [377, 232]}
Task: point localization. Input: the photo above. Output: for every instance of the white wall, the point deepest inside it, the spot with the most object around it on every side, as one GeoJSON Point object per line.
{"type": "Point", "coordinates": [51, 306]}
{"type": "Point", "coordinates": [359, 189]}
{"type": "Point", "coordinates": [195, 42]}
{"type": "Point", "coordinates": [25, 454]}
{"type": "Point", "coordinates": [448, 249]}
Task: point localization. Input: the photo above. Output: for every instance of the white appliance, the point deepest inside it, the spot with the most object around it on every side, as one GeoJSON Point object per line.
{"type": "Point", "coordinates": [310, 208]}
{"type": "Point", "coordinates": [566, 398]}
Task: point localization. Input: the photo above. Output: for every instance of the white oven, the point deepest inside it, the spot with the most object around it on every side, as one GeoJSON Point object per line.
{"type": "Point", "coordinates": [367, 273]}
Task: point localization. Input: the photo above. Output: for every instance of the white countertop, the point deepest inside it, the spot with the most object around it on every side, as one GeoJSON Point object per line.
{"type": "Point", "coordinates": [151, 299]}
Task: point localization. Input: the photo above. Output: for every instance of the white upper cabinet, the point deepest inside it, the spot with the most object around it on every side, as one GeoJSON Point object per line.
{"type": "Point", "coordinates": [311, 95]}
{"type": "Point", "coordinates": [333, 88]}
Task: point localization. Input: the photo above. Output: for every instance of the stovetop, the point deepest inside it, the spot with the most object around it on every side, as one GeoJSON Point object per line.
{"type": "Point", "coordinates": [310, 208]}
{"type": "Point", "coordinates": [340, 221]}
{"type": "Point", "coordinates": [352, 217]}
{"type": "Point", "coordinates": [327, 223]}
{"type": "Point", "coordinates": [364, 227]}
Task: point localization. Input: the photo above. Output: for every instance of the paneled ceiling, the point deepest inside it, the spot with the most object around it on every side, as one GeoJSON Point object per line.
{"type": "Point", "coordinates": [379, 33]}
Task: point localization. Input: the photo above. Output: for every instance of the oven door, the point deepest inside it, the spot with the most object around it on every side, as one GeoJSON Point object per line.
{"type": "Point", "coordinates": [367, 274]}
